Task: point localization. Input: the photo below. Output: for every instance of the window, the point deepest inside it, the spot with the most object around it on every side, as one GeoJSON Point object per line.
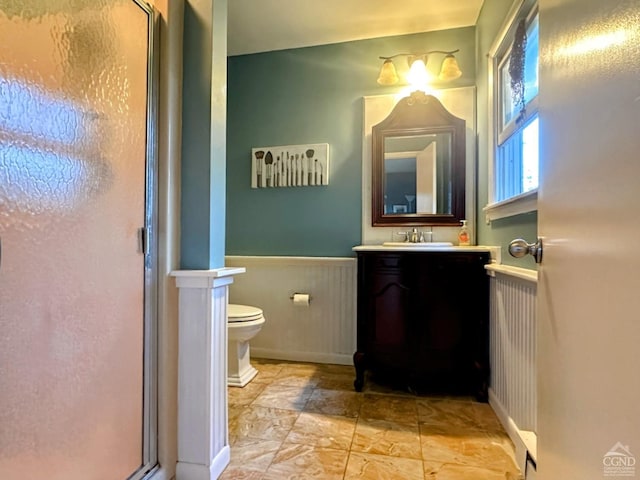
{"type": "Point", "coordinates": [514, 158]}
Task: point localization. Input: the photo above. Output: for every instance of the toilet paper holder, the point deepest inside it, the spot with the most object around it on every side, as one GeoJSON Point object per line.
{"type": "Point", "coordinates": [293, 295]}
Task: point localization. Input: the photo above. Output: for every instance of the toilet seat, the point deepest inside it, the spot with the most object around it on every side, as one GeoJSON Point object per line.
{"type": "Point", "coordinates": [242, 313]}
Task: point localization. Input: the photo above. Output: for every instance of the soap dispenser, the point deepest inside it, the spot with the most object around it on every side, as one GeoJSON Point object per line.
{"type": "Point", "coordinates": [463, 235]}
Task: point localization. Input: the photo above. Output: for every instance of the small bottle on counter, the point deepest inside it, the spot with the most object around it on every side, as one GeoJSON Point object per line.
{"type": "Point", "coordinates": [463, 235]}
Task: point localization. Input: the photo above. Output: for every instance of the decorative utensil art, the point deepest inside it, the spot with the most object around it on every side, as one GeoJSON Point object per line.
{"type": "Point", "coordinates": [290, 166]}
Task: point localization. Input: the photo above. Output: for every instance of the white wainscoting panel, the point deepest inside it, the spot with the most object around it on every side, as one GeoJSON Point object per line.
{"type": "Point", "coordinates": [513, 389]}
{"type": "Point", "coordinates": [324, 331]}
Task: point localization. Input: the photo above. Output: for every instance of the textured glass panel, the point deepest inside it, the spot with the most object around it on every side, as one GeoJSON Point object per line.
{"type": "Point", "coordinates": [72, 185]}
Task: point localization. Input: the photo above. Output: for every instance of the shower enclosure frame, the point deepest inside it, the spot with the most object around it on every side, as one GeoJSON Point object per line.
{"type": "Point", "coordinates": [149, 242]}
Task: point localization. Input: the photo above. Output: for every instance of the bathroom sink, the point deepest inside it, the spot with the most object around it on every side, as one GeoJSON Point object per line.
{"type": "Point", "coordinates": [419, 244]}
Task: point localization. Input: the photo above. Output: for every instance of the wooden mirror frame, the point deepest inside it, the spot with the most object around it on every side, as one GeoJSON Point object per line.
{"type": "Point", "coordinates": [419, 114]}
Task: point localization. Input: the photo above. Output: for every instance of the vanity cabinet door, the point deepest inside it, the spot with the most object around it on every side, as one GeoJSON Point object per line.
{"type": "Point", "coordinates": [451, 338]}
{"type": "Point", "coordinates": [384, 308]}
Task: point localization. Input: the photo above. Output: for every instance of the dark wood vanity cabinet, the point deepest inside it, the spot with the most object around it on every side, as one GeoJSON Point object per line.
{"type": "Point", "coordinates": [423, 320]}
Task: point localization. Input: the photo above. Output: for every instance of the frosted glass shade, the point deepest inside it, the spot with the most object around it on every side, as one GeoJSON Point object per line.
{"type": "Point", "coordinates": [388, 74]}
{"type": "Point", "coordinates": [450, 69]}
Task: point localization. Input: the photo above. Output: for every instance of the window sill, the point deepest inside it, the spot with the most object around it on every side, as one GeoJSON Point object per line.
{"type": "Point", "coordinates": [523, 203]}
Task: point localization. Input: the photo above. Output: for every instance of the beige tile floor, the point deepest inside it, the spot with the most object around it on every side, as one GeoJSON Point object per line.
{"type": "Point", "coordinates": [298, 421]}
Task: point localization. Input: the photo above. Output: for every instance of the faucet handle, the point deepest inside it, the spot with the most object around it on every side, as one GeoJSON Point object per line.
{"type": "Point", "coordinates": [406, 235]}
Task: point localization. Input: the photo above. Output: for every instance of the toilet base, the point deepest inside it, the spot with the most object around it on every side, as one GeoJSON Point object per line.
{"type": "Point", "coordinates": [240, 371]}
{"type": "Point", "coordinates": [242, 380]}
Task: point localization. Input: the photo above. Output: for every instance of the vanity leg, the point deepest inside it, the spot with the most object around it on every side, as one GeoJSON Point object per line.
{"type": "Point", "coordinates": [482, 382]}
{"type": "Point", "coordinates": [359, 363]}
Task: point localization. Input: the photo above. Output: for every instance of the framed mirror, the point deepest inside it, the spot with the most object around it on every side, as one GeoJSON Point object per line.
{"type": "Point", "coordinates": [418, 165]}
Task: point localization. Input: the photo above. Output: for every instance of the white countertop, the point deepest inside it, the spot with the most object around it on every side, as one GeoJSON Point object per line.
{"type": "Point", "coordinates": [409, 247]}
{"type": "Point", "coordinates": [494, 251]}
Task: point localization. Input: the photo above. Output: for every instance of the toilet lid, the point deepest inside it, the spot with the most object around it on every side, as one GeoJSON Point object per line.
{"type": "Point", "coordinates": [242, 313]}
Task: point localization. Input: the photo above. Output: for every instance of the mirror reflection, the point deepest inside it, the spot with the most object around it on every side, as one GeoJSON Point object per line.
{"type": "Point", "coordinates": [417, 174]}
{"type": "Point", "coordinates": [418, 165]}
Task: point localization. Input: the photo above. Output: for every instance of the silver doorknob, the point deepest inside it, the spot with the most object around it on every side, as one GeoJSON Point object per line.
{"type": "Point", "coordinates": [519, 248]}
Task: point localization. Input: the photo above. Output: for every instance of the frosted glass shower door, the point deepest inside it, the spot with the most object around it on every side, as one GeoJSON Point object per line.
{"type": "Point", "coordinates": [73, 195]}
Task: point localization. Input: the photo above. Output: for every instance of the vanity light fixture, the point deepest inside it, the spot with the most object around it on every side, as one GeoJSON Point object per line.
{"type": "Point", "coordinates": [418, 68]}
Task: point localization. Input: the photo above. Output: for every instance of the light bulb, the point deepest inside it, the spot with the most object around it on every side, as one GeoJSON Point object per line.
{"type": "Point", "coordinates": [418, 76]}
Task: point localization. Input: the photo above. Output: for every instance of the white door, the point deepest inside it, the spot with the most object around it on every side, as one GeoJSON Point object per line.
{"type": "Point", "coordinates": [589, 219]}
{"type": "Point", "coordinates": [73, 194]}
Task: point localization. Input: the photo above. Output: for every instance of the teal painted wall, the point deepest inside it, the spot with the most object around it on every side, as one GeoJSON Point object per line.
{"type": "Point", "coordinates": [218, 178]}
{"type": "Point", "coordinates": [203, 177]}
{"type": "Point", "coordinates": [196, 126]}
{"type": "Point", "coordinates": [312, 95]}
{"type": "Point", "coordinates": [499, 232]}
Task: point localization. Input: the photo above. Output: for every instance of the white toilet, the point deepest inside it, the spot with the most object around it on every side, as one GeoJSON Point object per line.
{"type": "Point", "coordinates": [243, 323]}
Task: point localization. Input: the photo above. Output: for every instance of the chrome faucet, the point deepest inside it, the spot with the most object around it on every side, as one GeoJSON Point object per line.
{"type": "Point", "coordinates": [413, 236]}
{"type": "Point", "coordinates": [416, 236]}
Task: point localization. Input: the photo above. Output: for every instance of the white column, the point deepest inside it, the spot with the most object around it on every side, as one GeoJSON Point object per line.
{"type": "Point", "coordinates": [203, 437]}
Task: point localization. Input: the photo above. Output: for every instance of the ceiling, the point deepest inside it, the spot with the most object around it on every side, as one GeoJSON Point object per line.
{"type": "Point", "coordinates": [265, 25]}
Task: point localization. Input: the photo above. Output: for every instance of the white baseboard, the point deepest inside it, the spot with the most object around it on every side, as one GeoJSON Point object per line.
{"type": "Point", "coordinates": [524, 441]}
{"type": "Point", "coordinates": [197, 471]}
{"type": "Point", "coordinates": [313, 357]}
